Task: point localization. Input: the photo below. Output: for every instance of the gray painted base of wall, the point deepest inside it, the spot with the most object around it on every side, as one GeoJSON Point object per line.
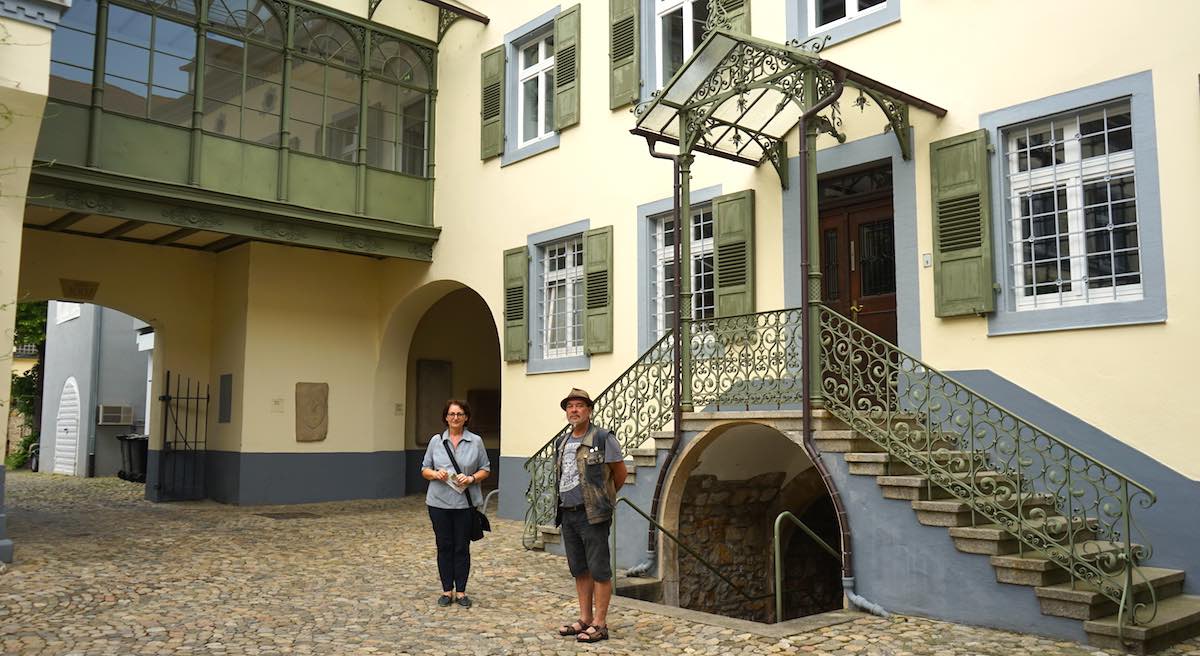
{"type": "Point", "coordinates": [514, 481]}
{"type": "Point", "coordinates": [1171, 525]}
{"type": "Point", "coordinates": [287, 478]}
{"type": "Point", "coordinates": [6, 545]}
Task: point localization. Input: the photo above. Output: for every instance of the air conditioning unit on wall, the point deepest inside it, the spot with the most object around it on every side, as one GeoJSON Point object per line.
{"type": "Point", "coordinates": [114, 415]}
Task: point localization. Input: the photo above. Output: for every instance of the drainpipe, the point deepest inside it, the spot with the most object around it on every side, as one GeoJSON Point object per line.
{"type": "Point", "coordinates": [810, 350]}
{"type": "Point", "coordinates": [645, 567]}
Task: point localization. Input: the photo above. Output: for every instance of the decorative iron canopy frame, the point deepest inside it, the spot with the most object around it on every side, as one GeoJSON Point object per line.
{"type": "Point", "coordinates": [738, 97]}
{"type": "Point", "coordinates": [449, 11]}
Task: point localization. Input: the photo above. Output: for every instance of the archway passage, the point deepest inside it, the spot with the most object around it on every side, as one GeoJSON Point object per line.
{"type": "Point", "coordinates": [735, 482]}
{"type": "Point", "coordinates": [455, 354]}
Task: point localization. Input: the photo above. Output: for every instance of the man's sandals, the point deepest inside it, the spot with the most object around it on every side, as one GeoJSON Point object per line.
{"type": "Point", "coordinates": [579, 626]}
{"type": "Point", "coordinates": [593, 634]}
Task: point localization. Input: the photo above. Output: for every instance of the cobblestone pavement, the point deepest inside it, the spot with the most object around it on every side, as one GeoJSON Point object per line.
{"type": "Point", "coordinates": [101, 571]}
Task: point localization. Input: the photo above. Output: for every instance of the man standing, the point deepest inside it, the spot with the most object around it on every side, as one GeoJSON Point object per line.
{"type": "Point", "coordinates": [589, 470]}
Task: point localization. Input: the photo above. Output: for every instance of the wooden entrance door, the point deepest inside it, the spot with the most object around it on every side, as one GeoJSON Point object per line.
{"type": "Point", "coordinates": [858, 260]}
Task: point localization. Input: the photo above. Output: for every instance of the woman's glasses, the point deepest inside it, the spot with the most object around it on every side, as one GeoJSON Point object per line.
{"type": "Point", "coordinates": [456, 414]}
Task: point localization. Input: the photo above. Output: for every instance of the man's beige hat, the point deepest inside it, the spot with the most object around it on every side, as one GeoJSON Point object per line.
{"type": "Point", "coordinates": [577, 393]}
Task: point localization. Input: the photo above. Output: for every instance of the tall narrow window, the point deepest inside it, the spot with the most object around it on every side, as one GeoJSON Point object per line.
{"type": "Point", "coordinates": [325, 90]}
{"type": "Point", "coordinates": [1072, 209]}
{"type": "Point", "coordinates": [150, 64]}
{"type": "Point", "coordinates": [243, 71]}
{"type": "Point", "coordinates": [535, 80]}
{"type": "Point", "coordinates": [397, 108]}
{"type": "Point", "coordinates": [72, 53]}
{"type": "Point", "coordinates": [560, 270]}
{"type": "Point", "coordinates": [662, 275]}
{"type": "Point", "coordinates": [680, 26]}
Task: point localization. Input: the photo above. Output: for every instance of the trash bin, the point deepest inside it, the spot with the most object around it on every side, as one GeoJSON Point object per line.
{"type": "Point", "coordinates": [133, 457]}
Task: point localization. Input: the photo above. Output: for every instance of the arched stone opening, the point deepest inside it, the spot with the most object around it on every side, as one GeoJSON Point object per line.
{"type": "Point", "coordinates": [722, 500]}
{"type": "Point", "coordinates": [440, 343]}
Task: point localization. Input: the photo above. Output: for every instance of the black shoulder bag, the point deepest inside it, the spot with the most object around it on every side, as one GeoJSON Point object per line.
{"type": "Point", "coordinates": [479, 521]}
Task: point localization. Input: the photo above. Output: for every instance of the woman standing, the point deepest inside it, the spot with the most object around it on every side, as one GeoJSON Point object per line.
{"type": "Point", "coordinates": [449, 510]}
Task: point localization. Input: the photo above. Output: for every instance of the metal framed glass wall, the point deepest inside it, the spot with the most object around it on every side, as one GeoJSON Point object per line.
{"type": "Point", "coordinates": [274, 73]}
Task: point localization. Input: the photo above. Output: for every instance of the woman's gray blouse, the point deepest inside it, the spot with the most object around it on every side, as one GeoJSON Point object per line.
{"type": "Point", "coordinates": [471, 456]}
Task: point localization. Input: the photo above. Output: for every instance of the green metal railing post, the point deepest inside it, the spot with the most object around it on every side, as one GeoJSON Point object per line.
{"type": "Point", "coordinates": [683, 304]}
{"type": "Point", "coordinates": [779, 557]}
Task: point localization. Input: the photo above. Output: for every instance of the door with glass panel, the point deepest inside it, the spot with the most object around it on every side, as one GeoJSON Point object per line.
{"type": "Point", "coordinates": [858, 254]}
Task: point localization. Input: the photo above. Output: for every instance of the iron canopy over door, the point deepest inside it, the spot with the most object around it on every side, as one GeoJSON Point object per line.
{"type": "Point", "coordinates": [858, 250]}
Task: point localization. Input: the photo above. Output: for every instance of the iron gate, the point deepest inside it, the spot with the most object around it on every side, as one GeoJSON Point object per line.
{"type": "Point", "coordinates": [185, 438]}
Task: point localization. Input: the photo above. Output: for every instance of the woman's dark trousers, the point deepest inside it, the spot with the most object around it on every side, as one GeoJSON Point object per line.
{"type": "Point", "coordinates": [452, 531]}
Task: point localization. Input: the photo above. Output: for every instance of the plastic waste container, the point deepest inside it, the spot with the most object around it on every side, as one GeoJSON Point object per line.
{"type": "Point", "coordinates": [133, 457]}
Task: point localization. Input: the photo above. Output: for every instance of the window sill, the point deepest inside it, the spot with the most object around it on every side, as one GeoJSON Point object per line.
{"type": "Point", "coordinates": [535, 148]}
{"type": "Point", "coordinates": [558, 365]}
{"type": "Point", "coordinates": [1100, 315]}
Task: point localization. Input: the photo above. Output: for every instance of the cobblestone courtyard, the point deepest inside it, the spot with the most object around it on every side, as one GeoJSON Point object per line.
{"type": "Point", "coordinates": [101, 571]}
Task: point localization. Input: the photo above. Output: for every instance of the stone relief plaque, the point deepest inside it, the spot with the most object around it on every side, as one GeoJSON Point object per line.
{"type": "Point", "coordinates": [433, 389]}
{"type": "Point", "coordinates": [312, 411]}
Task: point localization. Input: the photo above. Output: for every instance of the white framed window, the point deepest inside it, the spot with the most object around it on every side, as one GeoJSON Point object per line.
{"type": "Point", "coordinates": [1072, 215]}
{"type": "Point", "coordinates": [535, 88]}
{"type": "Point", "coordinates": [662, 265]}
{"type": "Point", "coordinates": [560, 279]}
{"type": "Point", "coordinates": [828, 14]}
{"type": "Point", "coordinates": [679, 28]}
{"type": "Point", "coordinates": [65, 311]}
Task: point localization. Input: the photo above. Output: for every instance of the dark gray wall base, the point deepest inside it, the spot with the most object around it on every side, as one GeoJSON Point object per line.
{"type": "Point", "coordinates": [514, 481]}
{"type": "Point", "coordinates": [1171, 525]}
{"type": "Point", "coordinates": [6, 545]}
{"type": "Point", "coordinates": [285, 478]}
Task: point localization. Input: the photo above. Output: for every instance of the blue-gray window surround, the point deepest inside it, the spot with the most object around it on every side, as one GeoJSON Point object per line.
{"type": "Point", "coordinates": [1152, 307]}
{"type": "Point", "coordinates": [645, 237]}
{"type": "Point", "coordinates": [512, 45]}
{"type": "Point", "coordinates": [796, 19]}
{"type": "Point", "coordinates": [538, 363]}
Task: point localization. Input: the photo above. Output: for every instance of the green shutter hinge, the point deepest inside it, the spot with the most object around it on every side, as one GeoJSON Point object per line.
{"type": "Point", "coordinates": [991, 149]}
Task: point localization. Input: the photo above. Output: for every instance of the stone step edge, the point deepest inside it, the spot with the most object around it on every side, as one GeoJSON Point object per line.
{"type": "Point", "coordinates": [1087, 593]}
{"type": "Point", "coordinates": [1173, 614]}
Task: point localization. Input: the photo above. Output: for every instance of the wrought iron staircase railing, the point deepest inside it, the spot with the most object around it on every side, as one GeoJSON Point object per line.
{"type": "Point", "coordinates": [924, 417]}
{"type": "Point", "coordinates": [1053, 498]}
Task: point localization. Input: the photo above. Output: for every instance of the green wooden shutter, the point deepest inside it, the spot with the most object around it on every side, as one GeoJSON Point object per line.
{"type": "Point", "coordinates": [566, 68]}
{"type": "Point", "coordinates": [624, 55]}
{"type": "Point", "coordinates": [739, 15]}
{"type": "Point", "coordinates": [597, 290]}
{"type": "Point", "coordinates": [733, 252]}
{"type": "Point", "coordinates": [491, 111]}
{"type": "Point", "coordinates": [962, 240]}
{"type": "Point", "coordinates": [516, 304]}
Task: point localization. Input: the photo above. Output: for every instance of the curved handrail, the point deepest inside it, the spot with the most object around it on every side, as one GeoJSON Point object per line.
{"type": "Point", "coordinates": [1053, 497]}
{"type": "Point", "coordinates": [787, 514]}
{"type": "Point", "coordinates": [712, 568]}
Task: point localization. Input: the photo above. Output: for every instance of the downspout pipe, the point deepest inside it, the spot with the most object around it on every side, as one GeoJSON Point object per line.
{"type": "Point", "coordinates": [848, 586]}
{"type": "Point", "coordinates": [647, 566]}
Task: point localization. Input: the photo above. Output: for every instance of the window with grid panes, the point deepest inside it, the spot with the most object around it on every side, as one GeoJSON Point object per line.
{"type": "Point", "coordinates": [72, 53]}
{"type": "Point", "coordinates": [560, 278]}
{"type": "Point", "coordinates": [243, 71]}
{"type": "Point", "coordinates": [679, 28]}
{"type": "Point", "coordinates": [1072, 233]}
{"type": "Point", "coordinates": [150, 62]}
{"type": "Point", "coordinates": [826, 14]}
{"type": "Point", "coordinates": [535, 84]}
{"type": "Point", "coordinates": [325, 90]}
{"type": "Point", "coordinates": [662, 275]}
{"type": "Point", "coordinates": [397, 108]}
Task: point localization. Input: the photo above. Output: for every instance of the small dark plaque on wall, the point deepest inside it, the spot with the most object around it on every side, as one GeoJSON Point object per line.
{"type": "Point", "coordinates": [312, 411]}
{"type": "Point", "coordinates": [434, 378]}
{"type": "Point", "coordinates": [225, 399]}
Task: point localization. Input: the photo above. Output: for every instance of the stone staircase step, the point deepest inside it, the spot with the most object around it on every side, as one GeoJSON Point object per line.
{"type": "Point", "coordinates": [995, 540]}
{"type": "Point", "coordinates": [1031, 569]}
{"type": "Point", "coordinates": [913, 487]}
{"type": "Point", "coordinates": [783, 420]}
{"type": "Point", "coordinates": [1083, 601]}
{"type": "Point", "coordinates": [955, 512]}
{"type": "Point", "coordinates": [1178, 619]}
{"type": "Point", "coordinates": [876, 464]}
{"type": "Point", "coordinates": [663, 439]}
{"type": "Point", "coordinates": [844, 441]}
{"type": "Point", "coordinates": [549, 534]}
{"type": "Point", "coordinates": [644, 456]}
{"type": "Point", "coordinates": [646, 589]}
